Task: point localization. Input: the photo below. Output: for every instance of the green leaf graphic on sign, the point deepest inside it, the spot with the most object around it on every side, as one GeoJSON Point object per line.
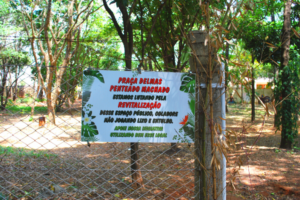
{"type": "Point", "coordinates": [89, 130]}
{"type": "Point", "coordinates": [87, 83]}
{"type": "Point", "coordinates": [189, 131]}
{"type": "Point", "coordinates": [88, 80]}
{"type": "Point", "coordinates": [192, 103]}
{"type": "Point", "coordinates": [85, 97]}
{"type": "Point", "coordinates": [94, 73]}
{"type": "Point", "coordinates": [188, 128]}
{"type": "Point", "coordinates": [188, 83]}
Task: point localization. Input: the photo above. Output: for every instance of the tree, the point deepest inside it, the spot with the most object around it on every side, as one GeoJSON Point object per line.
{"type": "Point", "coordinates": [98, 49]}
{"type": "Point", "coordinates": [11, 62]}
{"type": "Point", "coordinates": [159, 30]}
{"type": "Point", "coordinates": [12, 55]}
{"type": "Point", "coordinates": [127, 39]}
{"type": "Point", "coordinates": [286, 133]}
{"type": "Point", "coordinates": [52, 33]}
{"type": "Point", "coordinates": [261, 37]}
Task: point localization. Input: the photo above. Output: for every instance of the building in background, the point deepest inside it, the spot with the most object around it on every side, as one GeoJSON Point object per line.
{"type": "Point", "coordinates": [263, 87]}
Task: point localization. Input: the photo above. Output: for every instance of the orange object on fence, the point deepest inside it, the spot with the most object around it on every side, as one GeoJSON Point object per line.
{"type": "Point", "coordinates": [42, 121]}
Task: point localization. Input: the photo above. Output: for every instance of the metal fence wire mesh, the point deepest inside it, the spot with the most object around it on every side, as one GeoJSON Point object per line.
{"type": "Point", "coordinates": [43, 161]}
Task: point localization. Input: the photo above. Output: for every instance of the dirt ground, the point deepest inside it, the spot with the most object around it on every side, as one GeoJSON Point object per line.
{"type": "Point", "coordinates": [60, 166]}
{"type": "Point", "coordinates": [262, 170]}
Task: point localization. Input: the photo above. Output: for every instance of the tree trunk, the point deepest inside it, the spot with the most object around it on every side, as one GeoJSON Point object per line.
{"type": "Point", "coordinates": [10, 95]}
{"type": "Point", "coordinates": [128, 56]}
{"type": "Point", "coordinates": [51, 109]}
{"type": "Point", "coordinates": [15, 88]}
{"type": "Point", "coordinates": [127, 39]}
{"type": "Point", "coordinates": [276, 117]}
{"type": "Point", "coordinates": [40, 93]}
{"type": "Point", "coordinates": [34, 97]}
{"type": "Point", "coordinates": [137, 179]}
{"type": "Point", "coordinates": [150, 65]}
{"type": "Point", "coordinates": [242, 92]}
{"type": "Point", "coordinates": [3, 88]}
{"type": "Point", "coordinates": [50, 101]}
{"type": "Point", "coordinates": [286, 115]}
{"type": "Point", "coordinates": [226, 73]}
{"type": "Point", "coordinates": [253, 93]}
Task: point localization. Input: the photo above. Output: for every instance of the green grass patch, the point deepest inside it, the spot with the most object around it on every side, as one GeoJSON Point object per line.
{"type": "Point", "coordinates": [25, 100]}
{"type": "Point", "coordinates": [40, 100]}
{"type": "Point", "coordinates": [16, 109]}
{"type": "Point", "coordinates": [3, 197]}
{"type": "Point", "coordinates": [245, 109]}
{"type": "Point", "coordinates": [21, 152]}
{"type": "Point", "coordinates": [29, 100]}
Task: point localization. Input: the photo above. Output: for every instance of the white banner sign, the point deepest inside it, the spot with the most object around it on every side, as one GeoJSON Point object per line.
{"type": "Point", "coordinates": [124, 106]}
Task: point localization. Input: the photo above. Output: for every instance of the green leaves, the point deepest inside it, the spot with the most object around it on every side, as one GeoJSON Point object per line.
{"type": "Point", "coordinates": [14, 56]}
{"type": "Point", "coordinates": [188, 83]}
{"type": "Point", "coordinates": [192, 102]}
{"type": "Point", "coordinates": [87, 82]}
{"type": "Point", "coordinates": [186, 53]}
{"type": "Point", "coordinates": [94, 73]}
{"type": "Point", "coordinates": [124, 2]}
{"type": "Point", "coordinates": [287, 85]}
{"type": "Point", "coordinates": [192, 105]}
{"type": "Point", "coordinates": [88, 79]}
{"type": "Point", "coordinates": [189, 129]}
{"type": "Point", "coordinates": [89, 130]}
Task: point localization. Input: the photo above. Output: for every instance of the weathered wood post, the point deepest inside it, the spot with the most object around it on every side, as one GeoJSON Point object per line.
{"type": "Point", "coordinates": [205, 172]}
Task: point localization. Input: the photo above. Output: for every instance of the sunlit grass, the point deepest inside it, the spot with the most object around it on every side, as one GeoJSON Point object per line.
{"type": "Point", "coordinates": [245, 109]}
{"type": "Point", "coordinates": [18, 109]}
{"type": "Point", "coordinates": [21, 152]}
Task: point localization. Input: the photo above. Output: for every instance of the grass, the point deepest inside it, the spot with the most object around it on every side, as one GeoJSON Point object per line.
{"type": "Point", "coordinates": [28, 100]}
{"type": "Point", "coordinates": [17, 109]}
{"type": "Point", "coordinates": [21, 152]}
{"type": "Point", "coordinates": [244, 109]}
{"type": "Point", "coordinates": [3, 197]}
{"type": "Point", "coordinates": [24, 100]}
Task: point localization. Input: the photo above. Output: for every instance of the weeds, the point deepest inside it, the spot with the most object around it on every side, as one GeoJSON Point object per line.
{"type": "Point", "coordinates": [20, 152]}
{"type": "Point", "coordinates": [28, 100]}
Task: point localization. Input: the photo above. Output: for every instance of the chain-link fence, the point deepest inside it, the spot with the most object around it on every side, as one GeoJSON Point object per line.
{"type": "Point", "coordinates": [43, 161]}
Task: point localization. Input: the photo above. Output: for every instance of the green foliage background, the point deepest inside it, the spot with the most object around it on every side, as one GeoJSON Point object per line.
{"type": "Point", "coordinates": [291, 103]}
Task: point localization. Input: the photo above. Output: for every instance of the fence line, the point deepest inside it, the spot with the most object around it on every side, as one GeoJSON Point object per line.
{"type": "Point", "coordinates": [42, 162]}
